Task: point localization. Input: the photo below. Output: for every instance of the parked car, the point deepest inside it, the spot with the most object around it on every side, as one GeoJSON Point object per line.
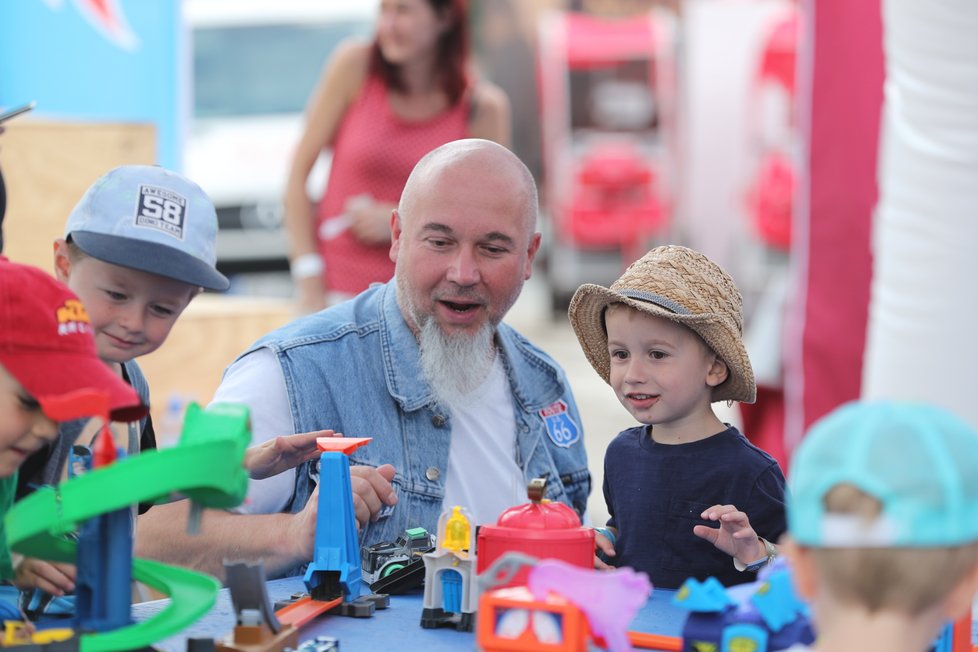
{"type": "Point", "coordinates": [255, 63]}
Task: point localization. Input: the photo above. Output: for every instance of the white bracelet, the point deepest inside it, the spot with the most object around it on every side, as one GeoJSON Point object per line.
{"type": "Point", "coordinates": [306, 266]}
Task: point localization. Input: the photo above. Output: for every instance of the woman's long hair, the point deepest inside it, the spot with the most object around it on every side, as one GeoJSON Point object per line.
{"type": "Point", "coordinates": [451, 59]}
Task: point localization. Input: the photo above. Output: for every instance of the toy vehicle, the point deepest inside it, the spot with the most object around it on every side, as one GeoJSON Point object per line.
{"type": "Point", "coordinates": [387, 557]}
{"type": "Point", "coordinates": [318, 644]}
{"type": "Point", "coordinates": [607, 91]}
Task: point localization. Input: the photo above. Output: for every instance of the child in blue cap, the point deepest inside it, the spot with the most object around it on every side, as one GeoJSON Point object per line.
{"type": "Point", "coordinates": [883, 525]}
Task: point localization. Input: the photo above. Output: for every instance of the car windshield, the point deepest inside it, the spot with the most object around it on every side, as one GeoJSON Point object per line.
{"type": "Point", "coordinates": [245, 70]}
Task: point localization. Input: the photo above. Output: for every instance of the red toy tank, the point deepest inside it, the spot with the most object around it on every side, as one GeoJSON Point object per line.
{"type": "Point", "coordinates": [541, 529]}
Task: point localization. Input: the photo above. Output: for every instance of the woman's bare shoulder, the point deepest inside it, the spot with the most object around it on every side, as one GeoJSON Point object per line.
{"type": "Point", "coordinates": [347, 67]}
{"type": "Point", "coordinates": [490, 113]}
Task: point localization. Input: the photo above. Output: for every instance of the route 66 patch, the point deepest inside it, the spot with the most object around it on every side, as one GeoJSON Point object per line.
{"type": "Point", "coordinates": [561, 428]}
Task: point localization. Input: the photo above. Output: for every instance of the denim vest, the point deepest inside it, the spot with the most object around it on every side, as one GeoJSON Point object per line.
{"type": "Point", "coordinates": [355, 368]}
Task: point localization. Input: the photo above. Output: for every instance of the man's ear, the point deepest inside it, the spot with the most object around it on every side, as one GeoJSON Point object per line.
{"type": "Point", "coordinates": [803, 573]}
{"type": "Point", "coordinates": [395, 234]}
{"type": "Point", "coordinates": [717, 372]}
{"type": "Point", "coordinates": [62, 261]}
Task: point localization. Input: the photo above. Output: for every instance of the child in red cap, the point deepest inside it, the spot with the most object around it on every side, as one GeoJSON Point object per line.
{"type": "Point", "coordinates": [47, 354]}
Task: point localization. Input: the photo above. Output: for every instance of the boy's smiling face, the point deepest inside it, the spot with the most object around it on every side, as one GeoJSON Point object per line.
{"type": "Point", "coordinates": [131, 311]}
{"type": "Point", "coordinates": [661, 371]}
{"type": "Point", "coordinates": [23, 426]}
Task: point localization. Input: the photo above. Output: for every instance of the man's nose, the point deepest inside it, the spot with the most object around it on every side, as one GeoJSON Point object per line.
{"type": "Point", "coordinates": [464, 269]}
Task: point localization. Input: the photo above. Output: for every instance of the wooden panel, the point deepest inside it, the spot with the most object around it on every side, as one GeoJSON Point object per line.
{"type": "Point", "coordinates": [47, 166]}
{"type": "Point", "coordinates": [209, 335]}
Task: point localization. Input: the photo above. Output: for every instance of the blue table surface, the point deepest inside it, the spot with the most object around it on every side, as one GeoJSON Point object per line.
{"type": "Point", "coordinates": [397, 627]}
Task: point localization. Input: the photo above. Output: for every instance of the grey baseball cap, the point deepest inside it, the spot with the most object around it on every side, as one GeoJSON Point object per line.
{"type": "Point", "coordinates": [151, 219]}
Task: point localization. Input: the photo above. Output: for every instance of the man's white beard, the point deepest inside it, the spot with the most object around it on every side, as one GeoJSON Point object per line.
{"type": "Point", "coordinates": [455, 364]}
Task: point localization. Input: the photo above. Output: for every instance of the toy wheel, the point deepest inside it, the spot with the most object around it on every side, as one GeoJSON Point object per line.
{"type": "Point", "coordinates": [390, 568]}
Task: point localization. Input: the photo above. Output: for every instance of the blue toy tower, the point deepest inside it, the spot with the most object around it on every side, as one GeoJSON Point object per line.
{"type": "Point", "coordinates": [335, 567]}
{"type": "Point", "coordinates": [103, 586]}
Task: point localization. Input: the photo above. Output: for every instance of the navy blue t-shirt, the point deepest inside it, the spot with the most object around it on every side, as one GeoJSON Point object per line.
{"type": "Point", "coordinates": [656, 492]}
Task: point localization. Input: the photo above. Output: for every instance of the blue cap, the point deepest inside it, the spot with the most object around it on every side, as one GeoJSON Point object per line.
{"type": "Point", "coordinates": [151, 219]}
{"type": "Point", "coordinates": [919, 461]}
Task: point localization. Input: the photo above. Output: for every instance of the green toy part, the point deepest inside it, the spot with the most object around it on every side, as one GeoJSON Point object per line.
{"type": "Point", "coordinates": [206, 466]}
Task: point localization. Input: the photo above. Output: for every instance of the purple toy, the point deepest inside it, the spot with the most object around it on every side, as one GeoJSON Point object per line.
{"type": "Point", "coordinates": [609, 599]}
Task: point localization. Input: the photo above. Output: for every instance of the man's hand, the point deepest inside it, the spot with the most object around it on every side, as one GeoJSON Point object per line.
{"type": "Point", "coordinates": [302, 529]}
{"type": "Point", "coordinates": [282, 453]}
{"type": "Point", "coordinates": [54, 578]}
{"type": "Point", "coordinates": [735, 536]}
{"type": "Point", "coordinates": [372, 490]}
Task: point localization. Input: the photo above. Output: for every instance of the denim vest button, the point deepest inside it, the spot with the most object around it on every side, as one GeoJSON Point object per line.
{"type": "Point", "coordinates": [438, 421]}
{"type": "Point", "coordinates": [432, 473]}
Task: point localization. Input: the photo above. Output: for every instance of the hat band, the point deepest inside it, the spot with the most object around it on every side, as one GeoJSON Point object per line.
{"type": "Point", "coordinates": [661, 301]}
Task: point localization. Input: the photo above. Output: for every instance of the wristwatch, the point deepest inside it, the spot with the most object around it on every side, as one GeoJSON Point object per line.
{"type": "Point", "coordinates": [770, 550]}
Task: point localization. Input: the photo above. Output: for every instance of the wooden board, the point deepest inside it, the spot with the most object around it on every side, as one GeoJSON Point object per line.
{"type": "Point", "coordinates": [47, 166]}
{"type": "Point", "coordinates": [209, 335]}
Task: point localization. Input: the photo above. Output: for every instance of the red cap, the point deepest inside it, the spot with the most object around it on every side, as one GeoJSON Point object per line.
{"type": "Point", "coordinates": [46, 343]}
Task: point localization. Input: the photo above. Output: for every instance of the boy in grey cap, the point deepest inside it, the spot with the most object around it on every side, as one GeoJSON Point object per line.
{"type": "Point", "coordinates": [883, 525]}
{"type": "Point", "coordinates": [137, 248]}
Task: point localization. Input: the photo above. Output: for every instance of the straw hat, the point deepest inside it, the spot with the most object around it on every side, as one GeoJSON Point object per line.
{"type": "Point", "coordinates": [678, 284]}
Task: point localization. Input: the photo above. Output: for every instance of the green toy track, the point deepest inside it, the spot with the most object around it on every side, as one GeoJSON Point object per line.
{"type": "Point", "coordinates": [205, 466]}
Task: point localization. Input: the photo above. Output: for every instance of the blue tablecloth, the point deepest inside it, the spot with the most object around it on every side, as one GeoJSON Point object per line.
{"type": "Point", "coordinates": [395, 628]}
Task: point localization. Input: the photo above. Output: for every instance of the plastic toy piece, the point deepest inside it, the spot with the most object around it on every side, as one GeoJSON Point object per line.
{"type": "Point", "coordinates": [706, 596]}
{"type": "Point", "coordinates": [450, 589]}
{"type": "Point", "coordinates": [647, 641]}
{"type": "Point", "coordinates": [777, 603]}
{"type": "Point", "coordinates": [609, 599]}
{"type": "Point", "coordinates": [334, 571]}
{"type": "Point", "coordinates": [458, 533]}
{"type": "Point", "coordinates": [16, 633]}
{"type": "Point", "coordinates": [510, 619]}
{"type": "Point", "coordinates": [516, 618]}
{"type": "Point", "coordinates": [345, 445]}
{"type": "Point", "coordinates": [246, 584]}
{"type": "Point", "coordinates": [764, 616]}
{"type": "Point", "coordinates": [539, 528]}
{"type": "Point", "coordinates": [396, 566]}
{"type": "Point", "coordinates": [404, 580]}
{"type": "Point", "coordinates": [104, 557]}
{"type": "Point", "coordinates": [305, 609]}
{"type": "Point", "coordinates": [318, 644]}
{"type": "Point", "coordinates": [335, 568]}
{"type": "Point", "coordinates": [205, 465]}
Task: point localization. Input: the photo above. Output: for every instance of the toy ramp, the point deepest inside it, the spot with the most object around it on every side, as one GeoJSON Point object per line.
{"type": "Point", "coordinates": [206, 466]}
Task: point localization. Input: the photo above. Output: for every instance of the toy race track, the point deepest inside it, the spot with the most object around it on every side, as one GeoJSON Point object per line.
{"type": "Point", "coordinates": [206, 466]}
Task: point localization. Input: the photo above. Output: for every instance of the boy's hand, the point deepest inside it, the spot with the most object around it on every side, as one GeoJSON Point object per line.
{"type": "Point", "coordinates": [54, 578]}
{"type": "Point", "coordinates": [282, 453]}
{"type": "Point", "coordinates": [605, 546]}
{"type": "Point", "coordinates": [372, 490]}
{"type": "Point", "coordinates": [735, 536]}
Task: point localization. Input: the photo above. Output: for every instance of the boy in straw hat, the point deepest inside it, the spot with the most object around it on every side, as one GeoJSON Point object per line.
{"type": "Point", "coordinates": [883, 525]}
{"type": "Point", "coordinates": [667, 337]}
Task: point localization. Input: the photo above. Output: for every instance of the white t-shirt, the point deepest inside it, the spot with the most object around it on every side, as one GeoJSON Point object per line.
{"type": "Point", "coordinates": [257, 381]}
{"type": "Point", "coordinates": [482, 454]}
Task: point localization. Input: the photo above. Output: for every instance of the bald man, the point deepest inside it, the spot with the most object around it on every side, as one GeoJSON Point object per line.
{"type": "Point", "coordinates": [462, 409]}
